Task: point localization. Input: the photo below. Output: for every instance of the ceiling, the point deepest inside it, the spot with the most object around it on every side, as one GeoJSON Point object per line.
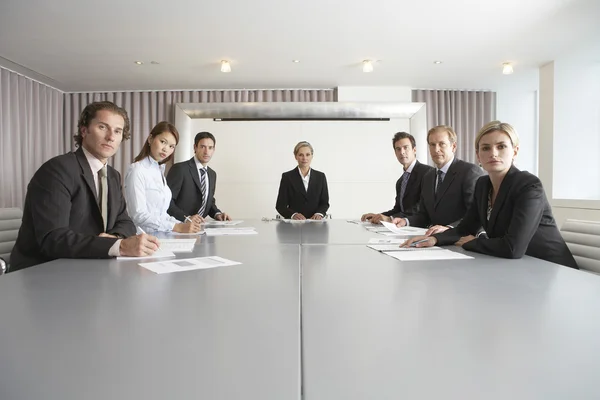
{"type": "Point", "coordinates": [92, 47]}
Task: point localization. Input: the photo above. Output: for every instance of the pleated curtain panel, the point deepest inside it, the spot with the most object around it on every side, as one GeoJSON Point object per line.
{"type": "Point", "coordinates": [464, 110]}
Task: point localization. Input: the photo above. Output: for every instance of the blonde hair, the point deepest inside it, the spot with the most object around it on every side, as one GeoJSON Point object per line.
{"type": "Point", "coordinates": [443, 128]}
{"type": "Point", "coordinates": [497, 126]}
{"type": "Point", "coordinates": [301, 145]}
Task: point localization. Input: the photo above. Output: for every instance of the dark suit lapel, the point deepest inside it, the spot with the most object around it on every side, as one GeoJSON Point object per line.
{"type": "Point", "coordinates": [446, 183]}
{"type": "Point", "coordinates": [297, 182]}
{"type": "Point", "coordinates": [86, 172]}
{"type": "Point", "coordinates": [502, 193]}
{"type": "Point", "coordinates": [194, 172]}
{"type": "Point", "coordinates": [114, 197]}
{"type": "Point", "coordinates": [483, 204]}
{"type": "Point", "coordinates": [312, 183]}
{"type": "Point", "coordinates": [212, 182]}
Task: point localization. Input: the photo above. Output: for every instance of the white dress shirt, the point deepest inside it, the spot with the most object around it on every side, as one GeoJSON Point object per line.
{"type": "Point", "coordinates": [96, 165]}
{"type": "Point", "coordinates": [148, 196]}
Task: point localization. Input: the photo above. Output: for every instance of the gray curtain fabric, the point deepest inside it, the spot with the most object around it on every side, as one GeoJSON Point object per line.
{"type": "Point", "coordinates": [31, 132]}
{"type": "Point", "coordinates": [464, 110]}
{"type": "Point", "coordinates": [146, 109]}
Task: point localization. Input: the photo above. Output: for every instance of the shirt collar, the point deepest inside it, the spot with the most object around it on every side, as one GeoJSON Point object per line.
{"type": "Point", "coordinates": [199, 164]}
{"type": "Point", "coordinates": [411, 166]}
{"type": "Point", "coordinates": [152, 163]}
{"type": "Point", "coordinates": [95, 164]}
{"type": "Point", "coordinates": [307, 175]}
{"type": "Point", "coordinates": [445, 168]}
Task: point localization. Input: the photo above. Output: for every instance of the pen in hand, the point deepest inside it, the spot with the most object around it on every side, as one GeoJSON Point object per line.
{"type": "Point", "coordinates": [414, 244]}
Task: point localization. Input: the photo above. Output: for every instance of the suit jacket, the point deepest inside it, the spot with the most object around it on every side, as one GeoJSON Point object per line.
{"type": "Point", "coordinates": [184, 182]}
{"type": "Point", "coordinates": [521, 222]}
{"type": "Point", "coordinates": [61, 217]}
{"type": "Point", "coordinates": [293, 198]}
{"type": "Point", "coordinates": [454, 197]}
{"type": "Point", "coordinates": [412, 193]}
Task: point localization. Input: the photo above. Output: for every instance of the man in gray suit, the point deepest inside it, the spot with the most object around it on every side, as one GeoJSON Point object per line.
{"type": "Point", "coordinates": [447, 191]}
{"type": "Point", "coordinates": [193, 184]}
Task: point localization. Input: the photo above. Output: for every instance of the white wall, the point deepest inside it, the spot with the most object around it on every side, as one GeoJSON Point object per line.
{"type": "Point", "coordinates": [517, 104]}
{"type": "Point", "coordinates": [356, 156]}
{"type": "Point", "coordinates": [577, 127]}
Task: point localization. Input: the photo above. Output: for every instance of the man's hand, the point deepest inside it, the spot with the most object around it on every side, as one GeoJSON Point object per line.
{"type": "Point", "coordinates": [223, 217]}
{"type": "Point", "coordinates": [298, 216]}
{"type": "Point", "coordinates": [196, 218]}
{"type": "Point", "coordinates": [377, 218]}
{"type": "Point", "coordinates": [139, 246]}
{"type": "Point", "coordinates": [464, 239]}
{"type": "Point", "coordinates": [399, 222]}
{"type": "Point", "coordinates": [317, 217]}
{"type": "Point", "coordinates": [436, 229]}
{"type": "Point", "coordinates": [187, 227]}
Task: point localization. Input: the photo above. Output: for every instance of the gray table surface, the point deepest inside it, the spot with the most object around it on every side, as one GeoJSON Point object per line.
{"type": "Point", "coordinates": [357, 325]}
{"type": "Point", "coordinates": [488, 328]}
{"type": "Point", "coordinates": [100, 329]}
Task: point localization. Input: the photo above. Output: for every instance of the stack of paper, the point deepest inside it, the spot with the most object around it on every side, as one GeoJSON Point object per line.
{"type": "Point", "coordinates": [246, 230]}
{"type": "Point", "coordinates": [422, 255]}
{"type": "Point", "coordinates": [188, 264]}
{"type": "Point", "coordinates": [386, 241]}
{"type": "Point", "coordinates": [178, 245]}
{"type": "Point", "coordinates": [301, 221]}
{"type": "Point", "coordinates": [406, 230]}
{"type": "Point", "coordinates": [396, 247]}
{"type": "Point", "coordinates": [160, 253]}
{"type": "Point", "coordinates": [222, 223]}
{"type": "Point", "coordinates": [359, 222]}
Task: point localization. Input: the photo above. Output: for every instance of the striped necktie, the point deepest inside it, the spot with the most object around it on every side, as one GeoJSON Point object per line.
{"type": "Point", "coordinates": [403, 183]}
{"type": "Point", "coordinates": [203, 191]}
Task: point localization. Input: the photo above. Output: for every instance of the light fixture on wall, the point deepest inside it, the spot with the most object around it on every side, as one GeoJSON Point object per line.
{"type": "Point", "coordinates": [138, 62]}
{"type": "Point", "coordinates": [367, 66]}
{"type": "Point", "coordinates": [507, 68]}
{"type": "Point", "coordinates": [225, 66]}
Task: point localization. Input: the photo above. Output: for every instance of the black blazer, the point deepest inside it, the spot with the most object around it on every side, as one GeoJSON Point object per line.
{"type": "Point", "coordinates": [521, 222]}
{"type": "Point", "coordinates": [454, 196]}
{"type": "Point", "coordinates": [184, 182]}
{"type": "Point", "coordinates": [293, 198]}
{"type": "Point", "coordinates": [61, 217]}
{"type": "Point", "coordinates": [412, 194]}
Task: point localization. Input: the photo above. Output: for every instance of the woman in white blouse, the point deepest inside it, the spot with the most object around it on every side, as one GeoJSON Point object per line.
{"type": "Point", "coordinates": [146, 191]}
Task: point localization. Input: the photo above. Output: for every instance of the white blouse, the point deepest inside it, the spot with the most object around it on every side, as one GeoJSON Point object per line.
{"type": "Point", "coordinates": [148, 196]}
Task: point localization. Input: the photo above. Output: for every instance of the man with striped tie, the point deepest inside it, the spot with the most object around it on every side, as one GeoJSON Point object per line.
{"type": "Point", "coordinates": [408, 186]}
{"type": "Point", "coordinates": [193, 184]}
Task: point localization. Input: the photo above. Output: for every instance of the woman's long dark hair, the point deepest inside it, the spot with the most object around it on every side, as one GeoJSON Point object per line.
{"type": "Point", "coordinates": [161, 127]}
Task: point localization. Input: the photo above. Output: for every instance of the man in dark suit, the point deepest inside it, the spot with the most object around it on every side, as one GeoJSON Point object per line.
{"type": "Point", "coordinates": [408, 186]}
{"type": "Point", "coordinates": [74, 207]}
{"type": "Point", "coordinates": [447, 191]}
{"type": "Point", "coordinates": [193, 193]}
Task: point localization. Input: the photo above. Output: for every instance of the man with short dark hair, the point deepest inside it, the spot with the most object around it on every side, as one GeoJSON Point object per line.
{"type": "Point", "coordinates": [193, 184]}
{"type": "Point", "coordinates": [408, 186]}
{"type": "Point", "coordinates": [74, 207]}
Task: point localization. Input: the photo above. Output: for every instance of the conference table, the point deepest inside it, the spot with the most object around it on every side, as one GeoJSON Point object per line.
{"type": "Point", "coordinates": [310, 313]}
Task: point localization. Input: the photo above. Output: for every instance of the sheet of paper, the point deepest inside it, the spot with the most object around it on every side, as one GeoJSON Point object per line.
{"type": "Point", "coordinates": [187, 264]}
{"type": "Point", "coordinates": [231, 231]}
{"type": "Point", "coordinates": [188, 234]}
{"type": "Point", "coordinates": [160, 253]}
{"type": "Point", "coordinates": [376, 228]}
{"type": "Point", "coordinates": [222, 223]}
{"type": "Point", "coordinates": [359, 222]}
{"type": "Point", "coordinates": [396, 247]}
{"type": "Point", "coordinates": [406, 230]}
{"type": "Point", "coordinates": [302, 221]}
{"type": "Point", "coordinates": [442, 254]}
{"type": "Point", "coordinates": [178, 245]}
{"type": "Point", "coordinates": [386, 241]}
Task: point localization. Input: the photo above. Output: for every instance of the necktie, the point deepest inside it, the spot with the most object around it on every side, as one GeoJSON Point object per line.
{"type": "Point", "coordinates": [203, 191]}
{"type": "Point", "coordinates": [103, 195]}
{"type": "Point", "coordinates": [440, 179]}
{"type": "Point", "coordinates": [403, 183]}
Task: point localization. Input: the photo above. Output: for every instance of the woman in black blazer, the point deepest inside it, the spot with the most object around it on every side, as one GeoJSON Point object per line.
{"type": "Point", "coordinates": [509, 204]}
{"type": "Point", "coordinates": [303, 191]}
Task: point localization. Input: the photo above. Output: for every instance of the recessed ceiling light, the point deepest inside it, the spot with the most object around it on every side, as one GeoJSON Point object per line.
{"type": "Point", "coordinates": [225, 66]}
{"type": "Point", "coordinates": [437, 62]}
{"type": "Point", "coordinates": [507, 68]}
{"type": "Point", "coordinates": [367, 66]}
{"type": "Point", "coordinates": [139, 62]}
{"type": "Point", "coordinates": [296, 61]}
{"type": "Point", "coordinates": [154, 62]}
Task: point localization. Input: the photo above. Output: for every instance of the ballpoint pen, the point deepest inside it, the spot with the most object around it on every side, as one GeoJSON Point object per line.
{"type": "Point", "coordinates": [414, 244]}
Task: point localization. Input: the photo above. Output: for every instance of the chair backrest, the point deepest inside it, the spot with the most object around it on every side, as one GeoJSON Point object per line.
{"type": "Point", "coordinates": [583, 239]}
{"type": "Point", "coordinates": [10, 222]}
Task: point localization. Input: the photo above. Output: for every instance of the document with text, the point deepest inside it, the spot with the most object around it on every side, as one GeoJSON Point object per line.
{"type": "Point", "coordinates": [441, 254]}
{"type": "Point", "coordinates": [188, 264]}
